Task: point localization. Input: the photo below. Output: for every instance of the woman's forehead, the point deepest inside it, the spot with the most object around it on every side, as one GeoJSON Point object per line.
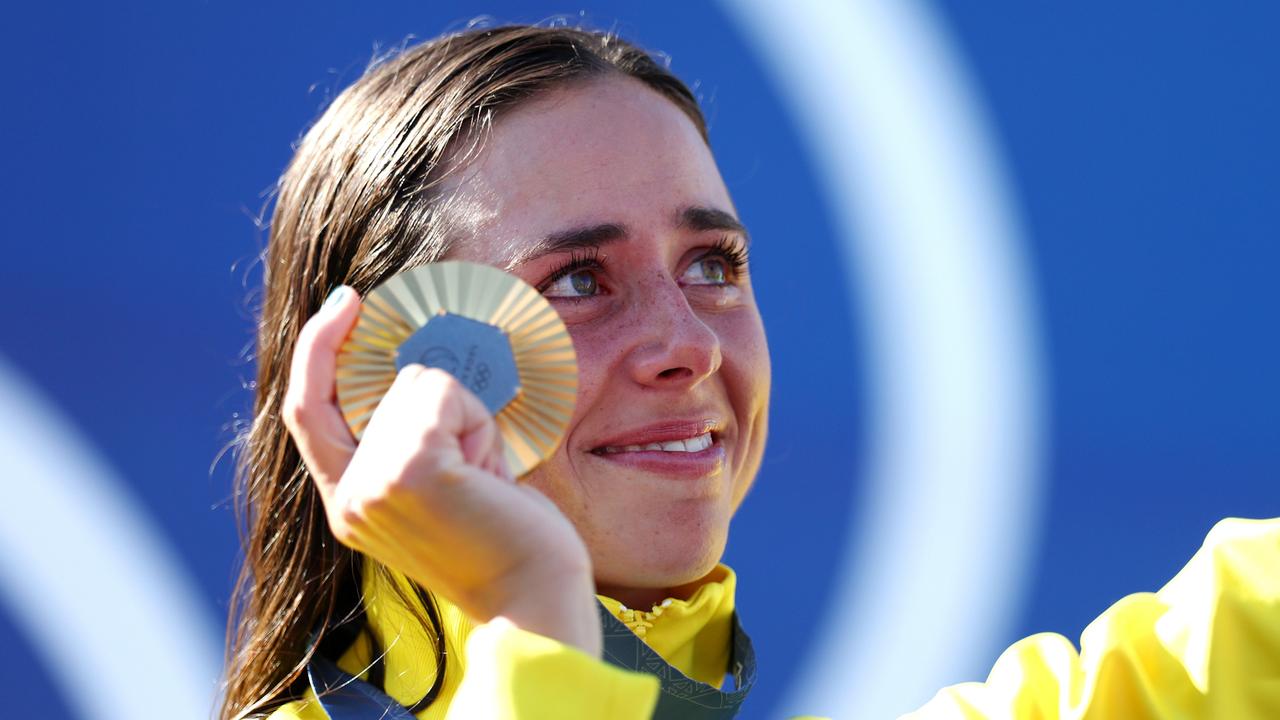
{"type": "Point", "coordinates": [611, 151]}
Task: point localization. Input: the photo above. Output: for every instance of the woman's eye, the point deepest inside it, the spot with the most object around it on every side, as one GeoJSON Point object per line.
{"type": "Point", "coordinates": [710, 270]}
{"type": "Point", "coordinates": [579, 283]}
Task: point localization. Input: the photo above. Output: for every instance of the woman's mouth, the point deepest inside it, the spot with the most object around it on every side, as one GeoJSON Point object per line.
{"type": "Point", "coordinates": [678, 450]}
{"type": "Point", "coordinates": [697, 443]}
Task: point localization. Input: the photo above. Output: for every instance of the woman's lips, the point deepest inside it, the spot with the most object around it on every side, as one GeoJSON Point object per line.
{"type": "Point", "coordinates": [663, 432]}
{"type": "Point", "coordinates": [686, 450]}
{"type": "Point", "coordinates": [697, 443]}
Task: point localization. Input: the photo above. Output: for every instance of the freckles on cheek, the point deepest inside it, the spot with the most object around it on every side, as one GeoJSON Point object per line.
{"type": "Point", "coordinates": [597, 355]}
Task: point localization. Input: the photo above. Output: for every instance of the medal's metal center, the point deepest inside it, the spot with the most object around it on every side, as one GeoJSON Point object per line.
{"type": "Point", "coordinates": [476, 353]}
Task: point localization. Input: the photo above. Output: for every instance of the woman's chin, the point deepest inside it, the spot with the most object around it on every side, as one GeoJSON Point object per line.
{"type": "Point", "coordinates": [668, 565]}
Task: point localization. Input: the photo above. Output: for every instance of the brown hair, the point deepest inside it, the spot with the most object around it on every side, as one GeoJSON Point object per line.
{"type": "Point", "coordinates": [362, 200]}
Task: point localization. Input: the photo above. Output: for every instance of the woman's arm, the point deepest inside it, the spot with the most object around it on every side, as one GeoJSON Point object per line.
{"type": "Point", "coordinates": [426, 492]}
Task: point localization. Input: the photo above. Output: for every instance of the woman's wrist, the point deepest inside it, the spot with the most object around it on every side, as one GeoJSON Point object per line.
{"type": "Point", "coordinates": [560, 606]}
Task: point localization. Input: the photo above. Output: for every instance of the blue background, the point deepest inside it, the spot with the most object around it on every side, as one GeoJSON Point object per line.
{"type": "Point", "coordinates": [142, 139]}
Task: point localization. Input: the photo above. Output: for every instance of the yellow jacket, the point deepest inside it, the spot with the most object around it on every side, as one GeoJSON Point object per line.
{"type": "Point", "coordinates": [496, 670]}
{"type": "Point", "coordinates": [1207, 645]}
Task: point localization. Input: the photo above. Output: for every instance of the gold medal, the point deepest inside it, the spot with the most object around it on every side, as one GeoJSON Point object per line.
{"type": "Point", "coordinates": [493, 332]}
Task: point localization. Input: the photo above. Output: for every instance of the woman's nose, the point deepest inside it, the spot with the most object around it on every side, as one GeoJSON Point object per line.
{"type": "Point", "coordinates": [674, 348]}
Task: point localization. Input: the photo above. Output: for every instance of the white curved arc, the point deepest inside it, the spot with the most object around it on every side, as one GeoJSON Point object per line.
{"type": "Point", "coordinates": [101, 598]}
{"type": "Point", "coordinates": [937, 560]}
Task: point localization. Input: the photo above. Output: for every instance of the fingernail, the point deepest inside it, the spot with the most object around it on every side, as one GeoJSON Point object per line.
{"type": "Point", "coordinates": [336, 296]}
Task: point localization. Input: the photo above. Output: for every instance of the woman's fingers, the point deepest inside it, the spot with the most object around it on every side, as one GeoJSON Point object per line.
{"type": "Point", "coordinates": [482, 443]}
{"type": "Point", "coordinates": [310, 409]}
{"type": "Point", "coordinates": [428, 435]}
{"type": "Point", "coordinates": [440, 422]}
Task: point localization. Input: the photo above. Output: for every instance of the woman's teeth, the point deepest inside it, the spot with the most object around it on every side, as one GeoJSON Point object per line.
{"type": "Point", "coordinates": [693, 444]}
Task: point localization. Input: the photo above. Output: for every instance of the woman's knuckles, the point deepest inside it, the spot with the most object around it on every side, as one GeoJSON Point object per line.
{"type": "Point", "coordinates": [442, 400]}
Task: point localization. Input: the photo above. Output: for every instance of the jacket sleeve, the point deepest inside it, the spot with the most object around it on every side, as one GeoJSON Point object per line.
{"type": "Point", "coordinates": [1207, 645]}
{"type": "Point", "coordinates": [513, 674]}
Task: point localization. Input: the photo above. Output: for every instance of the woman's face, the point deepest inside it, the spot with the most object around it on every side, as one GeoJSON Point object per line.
{"type": "Point", "coordinates": [604, 197]}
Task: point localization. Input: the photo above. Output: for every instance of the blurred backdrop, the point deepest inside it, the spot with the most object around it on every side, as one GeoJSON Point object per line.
{"type": "Point", "coordinates": [1017, 265]}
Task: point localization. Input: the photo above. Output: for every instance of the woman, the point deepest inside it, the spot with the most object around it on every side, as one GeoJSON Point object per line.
{"type": "Point", "coordinates": [577, 163]}
{"type": "Point", "coordinates": [417, 565]}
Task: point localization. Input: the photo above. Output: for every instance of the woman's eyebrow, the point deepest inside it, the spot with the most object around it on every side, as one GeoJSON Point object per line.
{"type": "Point", "coordinates": [701, 219]}
{"type": "Point", "coordinates": [695, 218]}
{"type": "Point", "coordinates": [589, 236]}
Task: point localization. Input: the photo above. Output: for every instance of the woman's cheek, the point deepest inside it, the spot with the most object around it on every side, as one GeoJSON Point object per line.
{"type": "Point", "coordinates": [748, 379]}
{"type": "Point", "coordinates": [741, 332]}
{"type": "Point", "coordinates": [597, 349]}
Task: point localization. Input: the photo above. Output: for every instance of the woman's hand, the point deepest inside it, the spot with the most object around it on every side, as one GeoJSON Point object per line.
{"type": "Point", "coordinates": [426, 492]}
